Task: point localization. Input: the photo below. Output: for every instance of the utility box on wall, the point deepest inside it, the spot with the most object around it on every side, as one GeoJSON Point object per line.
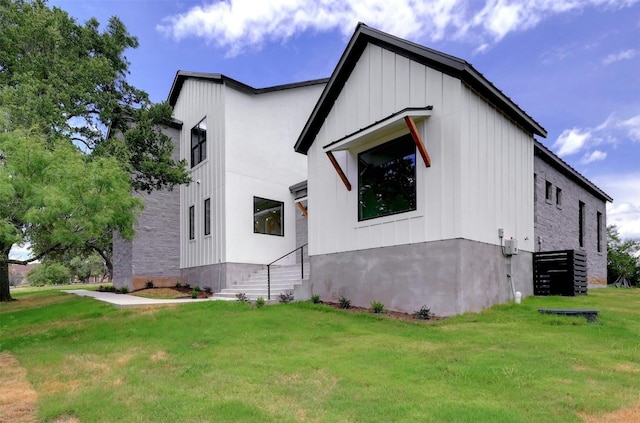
{"type": "Point", "coordinates": [511, 247]}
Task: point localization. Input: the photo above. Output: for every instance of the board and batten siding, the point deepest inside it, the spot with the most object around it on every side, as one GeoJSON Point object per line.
{"type": "Point", "coordinates": [480, 178]}
{"type": "Point", "coordinates": [199, 99]}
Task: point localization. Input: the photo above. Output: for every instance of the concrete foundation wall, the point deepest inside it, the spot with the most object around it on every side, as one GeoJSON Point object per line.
{"type": "Point", "coordinates": [218, 276]}
{"type": "Point", "coordinates": [450, 277]}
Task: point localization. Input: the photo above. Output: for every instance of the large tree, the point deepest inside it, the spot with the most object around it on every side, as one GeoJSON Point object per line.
{"type": "Point", "coordinates": [56, 198]}
{"type": "Point", "coordinates": [622, 257]}
{"type": "Point", "coordinates": [67, 83]}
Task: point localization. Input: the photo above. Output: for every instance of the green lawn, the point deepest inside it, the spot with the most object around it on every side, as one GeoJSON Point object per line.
{"type": "Point", "coordinates": [221, 361]}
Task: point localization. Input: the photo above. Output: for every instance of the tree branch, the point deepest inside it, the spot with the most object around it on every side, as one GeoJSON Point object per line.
{"type": "Point", "coordinates": [38, 257]}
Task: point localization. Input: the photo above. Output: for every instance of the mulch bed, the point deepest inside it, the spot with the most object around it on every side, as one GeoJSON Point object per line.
{"type": "Point", "coordinates": [390, 314]}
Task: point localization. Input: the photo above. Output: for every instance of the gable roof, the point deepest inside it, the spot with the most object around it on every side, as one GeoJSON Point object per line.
{"type": "Point", "coordinates": [563, 167]}
{"type": "Point", "coordinates": [182, 76]}
{"type": "Point", "coordinates": [442, 62]}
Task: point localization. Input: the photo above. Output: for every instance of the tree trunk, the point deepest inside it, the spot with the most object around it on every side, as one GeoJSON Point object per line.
{"type": "Point", "coordinates": [5, 293]}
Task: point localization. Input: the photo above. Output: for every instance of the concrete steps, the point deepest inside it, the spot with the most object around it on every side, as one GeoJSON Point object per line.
{"type": "Point", "coordinates": [284, 279]}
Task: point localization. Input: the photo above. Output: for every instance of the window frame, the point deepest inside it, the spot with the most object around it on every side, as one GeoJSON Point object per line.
{"type": "Point", "coordinates": [199, 149]}
{"type": "Point", "coordinates": [599, 231]}
{"type": "Point", "coordinates": [413, 201]}
{"type": "Point", "coordinates": [581, 211]}
{"type": "Point", "coordinates": [255, 212]}
{"type": "Point", "coordinates": [207, 216]}
{"type": "Point", "coordinates": [559, 197]}
{"type": "Point", "coordinates": [548, 191]}
{"type": "Point", "coordinates": [192, 222]}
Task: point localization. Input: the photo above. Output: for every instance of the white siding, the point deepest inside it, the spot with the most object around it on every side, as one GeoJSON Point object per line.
{"type": "Point", "coordinates": [482, 164]}
{"type": "Point", "coordinates": [260, 161]}
{"type": "Point", "coordinates": [199, 99]}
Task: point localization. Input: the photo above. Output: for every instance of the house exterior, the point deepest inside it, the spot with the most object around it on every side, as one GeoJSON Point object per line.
{"type": "Point", "coordinates": [238, 214]}
{"type": "Point", "coordinates": [570, 213]}
{"type": "Point", "coordinates": [420, 186]}
{"type": "Point", "coordinates": [439, 245]}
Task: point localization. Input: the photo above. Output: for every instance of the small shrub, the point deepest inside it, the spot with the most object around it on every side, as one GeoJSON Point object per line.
{"type": "Point", "coordinates": [178, 284]}
{"type": "Point", "coordinates": [242, 297]}
{"type": "Point", "coordinates": [194, 293]}
{"type": "Point", "coordinates": [344, 302]}
{"type": "Point", "coordinates": [286, 297]}
{"type": "Point", "coordinates": [260, 302]}
{"type": "Point", "coordinates": [207, 289]}
{"type": "Point", "coordinates": [123, 290]}
{"type": "Point", "coordinates": [315, 298]}
{"type": "Point", "coordinates": [187, 286]}
{"type": "Point", "coordinates": [149, 284]}
{"type": "Point", "coordinates": [424, 313]}
{"type": "Point", "coordinates": [197, 289]}
{"type": "Point", "coordinates": [377, 307]}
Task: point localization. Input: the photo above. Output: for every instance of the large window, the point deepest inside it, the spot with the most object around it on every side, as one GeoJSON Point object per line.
{"type": "Point", "coordinates": [268, 216]}
{"type": "Point", "coordinates": [199, 142]}
{"type": "Point", "coordinates": [387, 179]}
{"type": "Point", "coordinates": [192, 222]}
{"type": "Point", "coordinates": [207, 216]}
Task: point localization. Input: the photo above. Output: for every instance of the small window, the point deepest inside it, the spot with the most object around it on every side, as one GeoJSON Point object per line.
{"type": "Point", "coordinates": [199, 142]}
{"type": "Point", "coordinates": [268, 216]}
{"type": "Point", "coordinates": [548, 193]}
{"type": "Point", "coordinates": [207, 216]}
{"type": "Point", "coordinates": [192, 222]}
{"type": "Point", "coordinates": [558, 196]}
{"type": "Point", "coordinates": [581, 223]}
{"type": "Point", "coordinates": [387, 179]}
{"type": "Point", "coordinates": [599, 229]}
{"type": "Point", "coordinates": [535, 187]}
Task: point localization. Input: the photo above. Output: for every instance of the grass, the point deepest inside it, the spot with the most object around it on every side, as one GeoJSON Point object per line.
{"type": "Point", "coordinates": [227, 361]}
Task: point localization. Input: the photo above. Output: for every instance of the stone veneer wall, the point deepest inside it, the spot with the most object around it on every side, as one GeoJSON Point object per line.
{"type": "Point", "coordinates": [556, 225]}
{"type": "Point", "coordinates": [450, 277]}
{"type": "Point", "coordinates": [154, 253]}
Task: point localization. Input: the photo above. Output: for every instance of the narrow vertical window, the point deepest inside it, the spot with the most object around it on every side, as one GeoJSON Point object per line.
{"type": "Point", "coordinates": [535, 187]}
{"type": "Point", "coordinates": [558, 196]}
{"type": "Point", "coordinates": [581, 223]}
{"type": "Point", "coordinates": [599, 229]}
{"type": "Point", "coordinates": [199, 142]}
{"type": "Point", "coordinates": [548, 191]}
{"type": "Point", "coordinates": [192, 222]}
{"type": "Point", "coordinates": [207, 216]}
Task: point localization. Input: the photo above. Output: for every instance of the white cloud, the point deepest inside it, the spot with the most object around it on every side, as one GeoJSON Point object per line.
{"type": "Point", "coordinates": [624, 212]}
{"type": "Point", "coordinates": [632, 127]}
{"type": "Point", "coordinates": [571, 141]}
{"type": "Point", "coordinates": [612, 131]}
{"type": "Point", "coordinates": [238, 25]}
{"type": "Point", "coordinates": [623, 55]}
{"type": "Point", "coordinates": [594, 156]}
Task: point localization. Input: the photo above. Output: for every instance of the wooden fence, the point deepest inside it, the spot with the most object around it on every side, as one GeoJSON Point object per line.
{"type": "Point", "coordinates": [560, 273]}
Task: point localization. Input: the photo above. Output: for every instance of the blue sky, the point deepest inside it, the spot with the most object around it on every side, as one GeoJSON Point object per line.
{"type": "Point", "coordinates": [573, 65]}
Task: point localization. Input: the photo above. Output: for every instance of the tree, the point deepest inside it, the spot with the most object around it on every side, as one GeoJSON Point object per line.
{"type": "Point", "coordinates": [49, 273]}
{"type": "Point", "coordinates": [622, 257]}
{"type": "Point", "coordinates": [57, 198]}
{"type": "Point", "coordinates": [66, 83]}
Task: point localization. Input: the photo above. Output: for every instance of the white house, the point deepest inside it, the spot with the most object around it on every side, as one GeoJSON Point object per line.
{"type": "Point", "coordinates": [391, 224]}
{"type": "Point", "coordinates": [420, 183]}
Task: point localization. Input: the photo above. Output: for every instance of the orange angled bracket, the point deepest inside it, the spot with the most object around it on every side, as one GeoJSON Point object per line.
{"type": "Point", "coordinates": [416, 138]}
{"type": "Point", "coordinates": [303, 209]}
{"type": "Point", "coordinates": [338, 169]}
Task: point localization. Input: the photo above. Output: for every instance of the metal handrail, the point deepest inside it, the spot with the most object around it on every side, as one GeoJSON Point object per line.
{"type": "Point", "coordinates": [301, 248]}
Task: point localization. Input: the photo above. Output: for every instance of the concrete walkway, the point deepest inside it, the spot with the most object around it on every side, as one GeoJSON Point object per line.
{"type": "Point", "coordinates": [125, 300]}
